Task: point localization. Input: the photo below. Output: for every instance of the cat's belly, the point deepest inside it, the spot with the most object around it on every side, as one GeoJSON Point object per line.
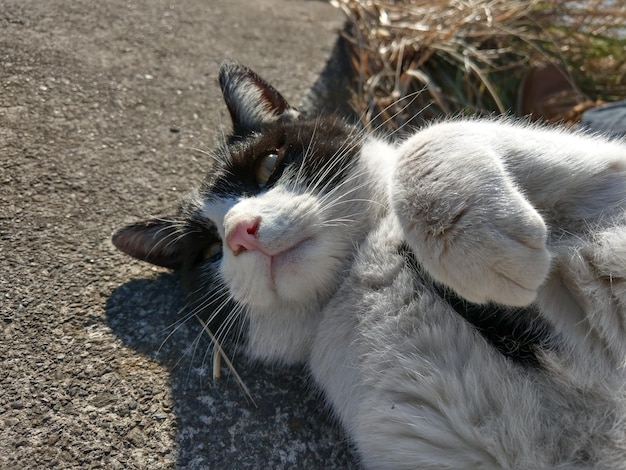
{"type": "Point", "coordinates": [417, 386]}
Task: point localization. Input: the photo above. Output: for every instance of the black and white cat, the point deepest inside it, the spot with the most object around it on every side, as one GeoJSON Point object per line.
{"type": "Point", "coordinates": [460, 297]}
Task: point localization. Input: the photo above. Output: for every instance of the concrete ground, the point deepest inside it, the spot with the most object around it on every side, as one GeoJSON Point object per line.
{"type": "Point", "coordinates": [101, 104]}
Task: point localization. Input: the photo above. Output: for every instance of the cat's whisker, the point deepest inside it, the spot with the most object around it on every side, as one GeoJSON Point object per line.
{"type": "Point", "coordinates": [345, 219]}
{"type": "Point", "coordinates": [360, 174]}
{"type": "Point", "coordinates": [240, 333]}
{"type": "Point", "coordinates": [404, 124]}
{"type": "Point", "coordinates": [339, 222]}
{"type": "Point", "coordinates": [168, 241]}
{"type": "Point", "coordinates": [174, 222]}
{"type": "Point", "coordinates": [329, 168]}
{"type": "Point", "coordinates": [224, 299]}
{"type": "Point", "coordinates": [168, 223]}
{"type": "Point", "coordinates": [218, 349]}
{"type": "Point", "coordinates": [218, 310]}
{"type": "Point", "coordinates": [360, 136]}
{"type": "Point", "coordinates": [363, 115]}
{"type": "Point", "coordinates": [353, 141]}
{"type": "Point", "coordinates": [191, 347]}
{"type": "Point", "coordinates": [219, 300]}
{"type": "Point", "coordinates": [192, 350]}
{"type": "Point", "coordinates": [175, 327]}
{"type": "Point", "coordinates": [232, 316]}
{"type": "Point", "coordinates": [172, 329]}
{"type": "Point", "coordinates": [170, 238]}
{"type": "Point", "coordinates": [307, 152]}
{"type": "Point", "coordinates": [212, 155]}
{"type": "Point", "coordinates": [324, 200]}
{"type": "Point", "coordinates": [339, 202]}
{"type": "Point", "coordinates": [225, 327]}
{"type": "Point", "coordinates": [336, 170]}
{"type": "Point", "coordinates": [207, 151]}
{"type": "Point", "coordinates": [411, 97]}
{"type": "Point", "coordinates": [210, 299]}
{"type": "Point", "coordinates": [348, 146]}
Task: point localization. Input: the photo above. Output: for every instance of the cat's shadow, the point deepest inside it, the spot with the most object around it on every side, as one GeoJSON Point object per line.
{"type": "Point", "coordinates": [217, 426]}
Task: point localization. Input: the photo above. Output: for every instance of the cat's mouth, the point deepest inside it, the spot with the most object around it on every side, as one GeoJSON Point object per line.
{"type": "Point", "coordinates": [290, 252]}
{"type": "Point", "coordinates": [284, 264]}
{"type": "Point", "coordinates": [283, 268]}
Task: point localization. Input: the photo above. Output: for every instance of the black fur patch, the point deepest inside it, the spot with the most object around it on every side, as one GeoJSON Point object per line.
{"type": "Point", "coordinates": [236, 172]}
{"type": "Point", "coordinates": [519, 333]}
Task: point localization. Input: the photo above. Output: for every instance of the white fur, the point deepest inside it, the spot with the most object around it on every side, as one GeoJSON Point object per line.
{"type": "Point", "coordinates": [306, 243]}
{"type": "Point", "coordinates": [496, 211]}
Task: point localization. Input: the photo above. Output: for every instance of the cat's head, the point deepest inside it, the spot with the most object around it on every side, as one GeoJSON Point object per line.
{"type": "Point", "coordinates": [277, 217]}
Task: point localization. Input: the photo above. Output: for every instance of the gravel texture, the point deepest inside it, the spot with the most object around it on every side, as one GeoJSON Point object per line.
{"type": "Point", "coordinates": [101, 104]}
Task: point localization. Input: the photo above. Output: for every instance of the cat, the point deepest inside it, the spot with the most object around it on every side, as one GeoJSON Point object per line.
{"type": "Point", "coordinates": [459, 296]}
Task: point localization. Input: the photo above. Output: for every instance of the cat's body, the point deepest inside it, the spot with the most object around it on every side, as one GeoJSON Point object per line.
{"type": "Point", "coordinates": [460, 297]}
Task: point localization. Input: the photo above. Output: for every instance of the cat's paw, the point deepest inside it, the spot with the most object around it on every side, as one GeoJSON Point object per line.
{"type": "Point", "coordinates": [470, 227]}
{"type": "Point", "coordinates": [485, 256]}
{"type": "Point", "coordinates": [504, 261]}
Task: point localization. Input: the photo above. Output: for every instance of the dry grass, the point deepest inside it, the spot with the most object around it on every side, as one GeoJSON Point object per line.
{"type": "Point", "coordinates": [469, 56]}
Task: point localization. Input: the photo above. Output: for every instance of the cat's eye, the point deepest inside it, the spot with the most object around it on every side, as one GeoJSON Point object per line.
{"type": "Point", "coordinates": [213, 251]}
{"type": "Point", "coordinates": [265, 168]}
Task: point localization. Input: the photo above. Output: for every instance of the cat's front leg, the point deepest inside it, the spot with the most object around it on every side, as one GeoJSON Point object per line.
{"type": "Point", "coordinates": [468, 223]}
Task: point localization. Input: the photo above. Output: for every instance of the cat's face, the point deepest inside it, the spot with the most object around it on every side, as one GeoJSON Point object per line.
{"type": "Point", "coordinates": [278, 214]}
{"type": "Point", "coordinates": [274, 199]}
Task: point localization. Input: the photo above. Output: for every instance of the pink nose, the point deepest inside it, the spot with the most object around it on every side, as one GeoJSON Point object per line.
{"type": "Point", "coordinates": [243, 237]}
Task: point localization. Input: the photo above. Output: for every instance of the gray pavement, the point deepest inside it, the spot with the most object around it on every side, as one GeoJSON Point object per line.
{"type": "Point", "coordinates": [100, 105]}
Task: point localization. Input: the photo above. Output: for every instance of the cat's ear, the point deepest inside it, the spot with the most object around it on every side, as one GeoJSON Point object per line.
{"type": "Point", "coordinates": [155, 240]}
{"type": "Point", "coordinates": [252, 102]}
